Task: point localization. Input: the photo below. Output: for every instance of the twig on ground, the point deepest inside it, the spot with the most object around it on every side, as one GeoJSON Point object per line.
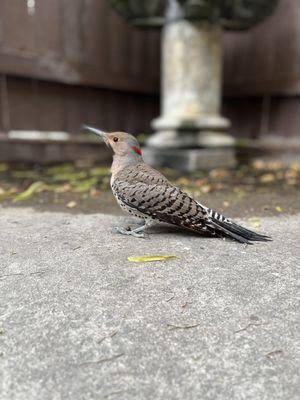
{"type": "Point", "coordinates": [106, 396]}
{"type": "Point", "coordinates": [102, 360]}
{"type": "Point", "coordinates": [273, 352]}
{"type": "Point", "coordinates": [173, 327]}
{"type": "Point", "coordinates": [170, 298]}
{"type": "Point", "coordinates": [7, 275]}
{"type": "Point", "coordinates": [251, 324]}
{"type": "Point", "coordinates": [184, 305]}
{"type": "Point", "coordinates": [108, 336]}
{"type": "Point", "coordinates": [42, 272]}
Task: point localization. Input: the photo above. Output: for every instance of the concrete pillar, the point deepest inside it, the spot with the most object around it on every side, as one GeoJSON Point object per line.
{"type": "Point", "coordinates": [191, 88]}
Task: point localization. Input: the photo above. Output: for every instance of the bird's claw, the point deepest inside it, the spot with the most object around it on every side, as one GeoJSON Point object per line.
{"type": "Point", "coordinates": [129, 232]}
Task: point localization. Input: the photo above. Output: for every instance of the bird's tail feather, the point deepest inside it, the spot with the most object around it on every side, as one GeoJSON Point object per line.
{"type": "Point", "coordinates": [238, 232]}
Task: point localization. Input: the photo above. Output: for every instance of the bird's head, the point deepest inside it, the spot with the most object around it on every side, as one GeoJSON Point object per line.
{"type": "Point", "coordinates": [122, 144]}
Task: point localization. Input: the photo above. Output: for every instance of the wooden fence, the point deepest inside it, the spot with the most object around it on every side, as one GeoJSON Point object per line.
{"type": "Point", "coordinates": [65, 62]}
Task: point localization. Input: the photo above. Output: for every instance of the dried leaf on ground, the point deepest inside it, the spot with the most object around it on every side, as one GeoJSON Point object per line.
{"type": "Point", "coordinates": [258, 165]}
{"type": "Point", "coordinates": [291, 174]}
{"type": "Point", "coordinates": [71, 204]}
{"type": "Point", "coordinates": [151, 258]}
{"type": "Point", "coordinates": [267, 178]}
{"type": "Point", "coordinates": [13, 190]}
{"type": "Point", "coordinates": [62, 188]}
{"type": "Point", "coordinates": [206, 189]}
{"type": "Point", "coordinates": [219, 173]}
{"type": "Point", "coordinates": [94, 192]}
{"type": "Point", "coordinates": [29, 192]}
{"type": "Point", "coordinates": [183, 181]}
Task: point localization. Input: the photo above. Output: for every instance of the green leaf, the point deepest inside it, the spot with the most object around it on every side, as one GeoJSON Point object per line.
{"type": "Point", "coordinates": [29, 192]}
{"type": "Point", "coordinates": [84, 186]}
{"type": "Point", "coordinates": [99, 171]}
{"type": "Point", "coordinates": [25, 174]}
{"type": "Point", "coordinates": [60, 169]}
{"type": "Point", "coordinates": [74, 176]}
{"type": "Point", "coordinates": [3, 167]}
{"type": "Point", "coordinates": [5, 195]}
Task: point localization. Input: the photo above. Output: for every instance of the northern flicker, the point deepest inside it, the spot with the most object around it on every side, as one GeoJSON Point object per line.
{"type": "Point", "coordinates": [146, 193]}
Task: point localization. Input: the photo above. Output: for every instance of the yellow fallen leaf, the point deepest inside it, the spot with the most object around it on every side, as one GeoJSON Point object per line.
{"type": "Point", "coordinates": [278, 209]}
{"type": "Point", "coordinates": [71, 204]}
{"type": "Point", "coordinates": [29, 192]}
{"type": "Point", "coordinates": [151, 258]}
{"type": "Point", "coordinates": [255, 222]}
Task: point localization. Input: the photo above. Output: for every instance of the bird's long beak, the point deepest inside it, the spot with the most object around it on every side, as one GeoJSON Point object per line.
{"type": "Point", "coordinates": [97, 132]}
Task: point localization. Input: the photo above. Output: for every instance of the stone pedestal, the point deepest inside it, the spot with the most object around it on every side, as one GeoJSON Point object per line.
{"type": "Point", "coordinates": [191, 88]}
{"type": "Point", "coordinates": [188, 160]}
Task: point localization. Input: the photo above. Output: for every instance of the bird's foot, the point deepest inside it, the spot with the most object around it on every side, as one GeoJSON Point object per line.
{"type": "Point", "coordinates": [138, 232]}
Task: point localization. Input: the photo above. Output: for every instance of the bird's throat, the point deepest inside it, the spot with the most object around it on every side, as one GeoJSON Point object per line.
{"type": "Point", "coordinates": [121, 162]}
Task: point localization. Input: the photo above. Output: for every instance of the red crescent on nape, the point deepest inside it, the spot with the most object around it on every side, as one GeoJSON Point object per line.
{"type": "Point", "coordinates": [136, 150]}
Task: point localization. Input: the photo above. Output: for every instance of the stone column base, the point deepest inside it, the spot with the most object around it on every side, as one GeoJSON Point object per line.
{"type": "Point", "coordinates": [189, 160]}
{"type": "Point", "coordinates": [209, 131]}
{"type": "Point", "coordinates": [185, 139]}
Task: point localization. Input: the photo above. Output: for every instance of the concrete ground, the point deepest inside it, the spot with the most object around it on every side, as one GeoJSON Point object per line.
{"type": "Point", "coordinates": [79, 321]}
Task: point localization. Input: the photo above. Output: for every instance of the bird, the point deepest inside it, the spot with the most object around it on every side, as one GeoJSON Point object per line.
{"type": "Point", "coordinates": [146, 193]}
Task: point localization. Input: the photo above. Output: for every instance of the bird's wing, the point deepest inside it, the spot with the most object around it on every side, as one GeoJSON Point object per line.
{"type": "Point", "coordinates": [162, 201]}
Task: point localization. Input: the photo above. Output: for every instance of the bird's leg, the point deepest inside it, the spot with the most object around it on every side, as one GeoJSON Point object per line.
{"type": "Point", "coordinates": [137, 232]}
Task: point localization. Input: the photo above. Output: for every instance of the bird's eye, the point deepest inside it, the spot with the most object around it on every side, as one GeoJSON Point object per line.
{"type": "Point", "coordinates": [115, 139]}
